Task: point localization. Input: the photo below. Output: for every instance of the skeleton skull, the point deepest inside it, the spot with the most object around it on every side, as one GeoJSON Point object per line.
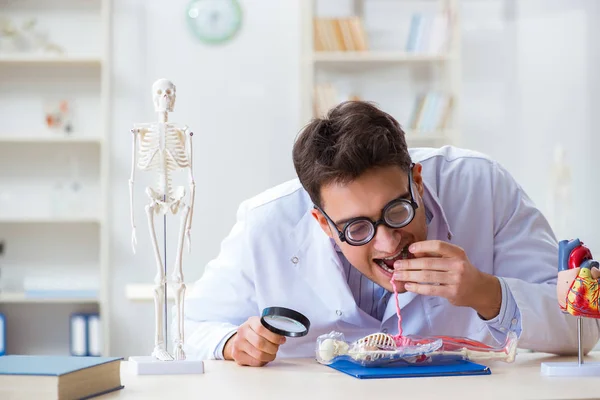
{"type": "Point", "coordinates": [163, 95]}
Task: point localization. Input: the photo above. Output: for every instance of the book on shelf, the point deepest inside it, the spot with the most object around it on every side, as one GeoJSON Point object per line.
{"type": "Point", "coordinates": [2, 334]}
{"type": "Point", "coordinates": [432, 112]}
{"type": "Point", "coordinates": [60, 285]}
{"type": "Point", "coordinates": [339, 34]}
{"type": "Point", "coordinates": [85, 335]}
{"type": "Point", "coordinates": [325, 97]}
{"type": "Point", "coordinates": [58, 377]}
{"type": "Point", "coordinates": [429, 34]}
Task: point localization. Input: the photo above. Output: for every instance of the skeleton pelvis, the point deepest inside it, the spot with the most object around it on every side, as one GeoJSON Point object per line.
{"type": "Point", "coordinates": [163, 204]}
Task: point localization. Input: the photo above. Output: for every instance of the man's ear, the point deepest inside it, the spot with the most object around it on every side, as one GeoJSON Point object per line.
{"type": "Point", "coordinates": [322, 222]}
{"type": "Point", "coordinates": [418, 178]}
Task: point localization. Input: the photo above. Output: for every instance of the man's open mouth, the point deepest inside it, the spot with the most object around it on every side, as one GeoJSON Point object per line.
{"type": "Point", "coordinates": [387, 264]}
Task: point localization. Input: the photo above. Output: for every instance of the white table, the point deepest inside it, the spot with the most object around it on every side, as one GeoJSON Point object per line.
{"type": "Point", "coordinates": [290, 379]}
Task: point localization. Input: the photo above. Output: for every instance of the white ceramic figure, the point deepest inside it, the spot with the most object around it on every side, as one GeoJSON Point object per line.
{"type": "Point", "coordinates": [560, 196]}
{"type": "Point", "coordinates": [162, 148]}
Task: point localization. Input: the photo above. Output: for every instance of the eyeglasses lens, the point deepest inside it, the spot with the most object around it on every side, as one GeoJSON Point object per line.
{"type": "Point", "coordinates": [398, 214]}
{"type": "Point", "coordinates": [359, 231]}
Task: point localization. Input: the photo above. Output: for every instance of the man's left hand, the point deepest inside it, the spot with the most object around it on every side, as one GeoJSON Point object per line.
{"type": "Point", "coordinates": [443, 269]}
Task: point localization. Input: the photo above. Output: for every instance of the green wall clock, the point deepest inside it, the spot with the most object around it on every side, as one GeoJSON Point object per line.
{"type": "Point", "coordinates": [214, 21]}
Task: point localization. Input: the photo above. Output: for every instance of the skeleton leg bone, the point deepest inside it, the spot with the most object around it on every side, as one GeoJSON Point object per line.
{"type": "Point", "coordinates": [179, 286]}
{"type": "Point", "coordinates": [159, 351]}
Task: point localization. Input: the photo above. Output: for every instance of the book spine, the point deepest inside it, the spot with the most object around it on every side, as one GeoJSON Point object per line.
{"type": "Point", "coordinates": [94, 335]}
{"type": "Point", "coordinates": [2, 334]}
{"type": "Point", "coordinates": [85, 335]}
{"type": "Point", "coordinates": [78, 341]}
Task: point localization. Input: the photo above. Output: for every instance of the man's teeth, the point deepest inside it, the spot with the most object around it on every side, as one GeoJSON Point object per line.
{"type": "Point", "coordinates": [394, 256]}
{"type": "Point", "coordinates": [384, 266]}
{"type": "Point", "coordinates": [401, 255]}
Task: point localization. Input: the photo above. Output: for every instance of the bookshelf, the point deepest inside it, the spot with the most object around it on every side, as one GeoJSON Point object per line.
{"type": "Point", "coordinates": [6, 139]}
{"type": "Point", "coordinates": [54, 172]}
{"type": "Point", "coordinates": [22, 297]}
{"type": "Point", "coordinates": [143, 292]}
{"type": "Point", "coordinates": [49, 60]}
{"type": "Point", "coordinates": [402, 55]}
{"type": "Point", "coordinates": [340, 57]}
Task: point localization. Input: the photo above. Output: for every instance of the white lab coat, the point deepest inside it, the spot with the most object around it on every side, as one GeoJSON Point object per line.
{"type": "Point", "coordinates": [277, 255]}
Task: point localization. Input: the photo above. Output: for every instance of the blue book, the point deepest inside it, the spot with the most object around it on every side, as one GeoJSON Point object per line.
{"type": "Point", "coordinates": [79, 334]}
{"type": "Point", "coordinates": [2, 334]}
{"type": "Point", "coordinates": [454, 368]}
{"type": "Point", "coordinates": [59, 377]}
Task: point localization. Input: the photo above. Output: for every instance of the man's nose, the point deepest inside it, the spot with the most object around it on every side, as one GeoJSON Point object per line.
{"type": "Point", "coordinates": [386, 239]}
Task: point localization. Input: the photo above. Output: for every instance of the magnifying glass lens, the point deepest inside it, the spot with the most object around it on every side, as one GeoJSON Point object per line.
{"type": "Point", "coordinates": [285, 324]}
{"type": "Point", "coordinates": [284, 321]}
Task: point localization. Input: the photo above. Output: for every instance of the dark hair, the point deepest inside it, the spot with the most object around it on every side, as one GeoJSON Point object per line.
{"type": "Point", "coordinates": [353, 137]}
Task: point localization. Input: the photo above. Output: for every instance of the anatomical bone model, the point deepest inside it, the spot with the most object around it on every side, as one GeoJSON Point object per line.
{"type": "Point", "coordinates": [381, 348]}
{"type": "Point", "coordinates": [163, 149]}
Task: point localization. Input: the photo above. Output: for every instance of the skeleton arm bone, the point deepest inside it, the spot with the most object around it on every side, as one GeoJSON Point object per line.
{"type": "Point", "coordinates": [192, 194]}
{"type": "Point", "coordinates": [131, 178]}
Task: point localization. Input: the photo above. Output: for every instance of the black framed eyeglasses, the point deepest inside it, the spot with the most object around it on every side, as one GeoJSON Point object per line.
{"type": "Point", "coordinates": [396, 214]}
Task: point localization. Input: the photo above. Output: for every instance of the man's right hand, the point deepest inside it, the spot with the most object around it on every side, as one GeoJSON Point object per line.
{"type": "Point", "coordinates": [252, 344]}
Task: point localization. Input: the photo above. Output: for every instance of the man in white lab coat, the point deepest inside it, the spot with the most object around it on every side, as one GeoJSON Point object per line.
{"type": "Point", "coordinates": [470, 254]}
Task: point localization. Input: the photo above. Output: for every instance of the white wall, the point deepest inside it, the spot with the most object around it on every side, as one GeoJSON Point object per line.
{"type": "Point", "coordinates": [524, 89]}
{"type": "Point", "coordinates": [528, 85]}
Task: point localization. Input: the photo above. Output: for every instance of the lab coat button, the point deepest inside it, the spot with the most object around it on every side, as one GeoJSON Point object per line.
{"type": "Point", "coordinates": [514, 321]}
{"type": "Point", "coordinates": [384, 330]}
{"type": "Point", "coordinates": [295, 260]}
{"type": "Point", "coordinates": [339, 313]}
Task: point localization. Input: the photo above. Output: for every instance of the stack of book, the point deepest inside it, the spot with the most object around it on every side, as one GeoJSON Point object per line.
{"type": "Point", "coordinates": [339, 34]}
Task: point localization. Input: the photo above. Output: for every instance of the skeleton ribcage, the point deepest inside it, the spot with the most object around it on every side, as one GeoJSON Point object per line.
{"type": "Point", "coordinates": [373, 347]}
{"type": "Point", "coordinates": [163, 160]}
{"type": "Point", "coordinates": [378, 341]}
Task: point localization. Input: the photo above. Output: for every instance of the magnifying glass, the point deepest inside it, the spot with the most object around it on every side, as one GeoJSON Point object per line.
{"type": "Point", "coordinates": [286, 322]}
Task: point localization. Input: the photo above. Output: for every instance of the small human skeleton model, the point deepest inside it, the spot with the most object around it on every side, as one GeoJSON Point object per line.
{"type": "Point", "coordinates": [369, 348]}
{"type": "Point", "coordinates": [163, 150]}
{"type": "Point", "coordinates": [380, 346]}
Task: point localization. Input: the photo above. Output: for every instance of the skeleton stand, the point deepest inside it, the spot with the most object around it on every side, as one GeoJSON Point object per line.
{"type": "Point", "coordinates": [163, 150]}
{"type": "Point", "coordinates": [166, 285]}
{"type": "Point", "coordinates": [578, 368]}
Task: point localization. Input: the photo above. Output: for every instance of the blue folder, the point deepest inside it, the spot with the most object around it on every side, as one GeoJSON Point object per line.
{"type": "Point", "coordinates": [454, 368]}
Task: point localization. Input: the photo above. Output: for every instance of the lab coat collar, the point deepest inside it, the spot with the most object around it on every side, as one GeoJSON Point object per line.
{"type": "Point", "coordinates": [438, 217]}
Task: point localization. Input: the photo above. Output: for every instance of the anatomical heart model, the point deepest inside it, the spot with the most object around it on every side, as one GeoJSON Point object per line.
{"type": "Point", "coordinates": [577, 292]}
{"type": "Point", "coordinates": [578, 274]}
